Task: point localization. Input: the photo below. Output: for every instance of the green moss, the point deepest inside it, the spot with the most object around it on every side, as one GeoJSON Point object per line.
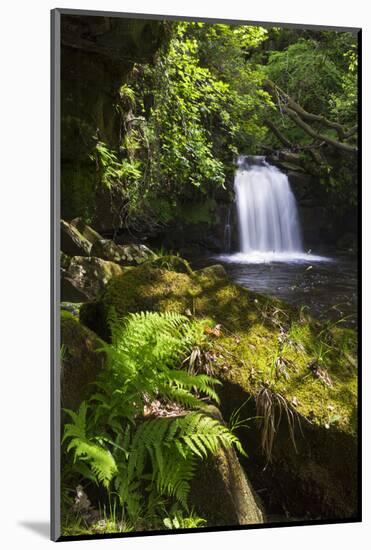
{"type": "Point", "coordinates": [80, 361]}
{"type": "Point", "coordinates": [65, 315]}
{"type": "Point", "coordinates": [257, 331]}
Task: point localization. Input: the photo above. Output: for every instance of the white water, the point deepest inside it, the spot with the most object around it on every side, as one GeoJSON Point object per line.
{"type": "Point", "coordinates": [267, 213]}
{"type": "Point", "coordinates": [269, 227]}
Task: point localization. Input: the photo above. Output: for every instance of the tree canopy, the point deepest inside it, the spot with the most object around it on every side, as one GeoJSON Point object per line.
{"type": "Point", "coordinates": [215, 91]}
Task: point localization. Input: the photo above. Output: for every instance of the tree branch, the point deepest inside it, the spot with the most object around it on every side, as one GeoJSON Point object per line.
{"type": "Point", "coordinates": [317, 135]}
{"type": "Point", "coordinates": [278, 134]}
{"type": "Point", "coordinates": [297, 114]}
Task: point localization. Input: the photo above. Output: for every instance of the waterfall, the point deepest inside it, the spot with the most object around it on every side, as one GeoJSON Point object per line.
{"type": "Point", "coordinates": [227, 232]}
{"type": "Point", "coordinates": [266, 208]}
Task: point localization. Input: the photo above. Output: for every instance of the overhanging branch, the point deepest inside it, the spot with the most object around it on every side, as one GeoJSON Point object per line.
{"type": "Point", "coordinates": [299, 116]}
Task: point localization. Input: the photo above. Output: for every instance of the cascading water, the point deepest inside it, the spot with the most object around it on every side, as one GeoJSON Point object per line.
{"type": "Point", "coordinates": [227, 232]}
{"type": "Point", "coordinates": [266, 207]}
{"type": "Point", "coordinates": [269, 227]}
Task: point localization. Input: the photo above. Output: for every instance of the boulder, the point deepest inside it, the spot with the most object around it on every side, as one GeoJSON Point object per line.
{"type": "Point", "coordinates": [88, 232]}
{"type": "Point", "coordinates": [107, 250]}
{"type": "Point", "coordinates": [216, 270]}
{"type": "Point", "coordinates": [133, 254]}
{"type": "Point", "coordinates": [73, 243]}
{"type": "Point", "coordinates": [129, 254]}
{"type": "Point", "coordinates": [222, 494]}
{"type": "Point", "coordinates": [80, 361]}
{"type": "Point", "coordinates": [70, 292]}
{"type": "Point", "coordinates": [88, 276]}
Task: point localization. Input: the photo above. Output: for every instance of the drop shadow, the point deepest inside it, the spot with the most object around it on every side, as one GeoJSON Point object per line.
{"type": "Point", "coordinates": [41, 528]}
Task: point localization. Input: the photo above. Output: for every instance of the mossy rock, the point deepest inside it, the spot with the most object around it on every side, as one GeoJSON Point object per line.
{"type": "Point", "coordinates": [129, 254]}
{"type": "Point", "coordinates": [143, 288]}
{"type": "Point", "coordinates": [89, 276]}
{"type": "Point", "coordinates": [80, 361]}
{"type": "Point", "coordinates": [73, 243]}
{"type": "Point", "coordinates": [88, 232]}
{"type": "Point", "coordinates": [266, 343]}
{"type": "Point", "coordinates": [216, 270]}
{"type": "Point", "coordinates": [107, 250]}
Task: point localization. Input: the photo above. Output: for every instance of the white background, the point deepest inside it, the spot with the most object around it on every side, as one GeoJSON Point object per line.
{"type": "Point", "coordinates": [24, 269]}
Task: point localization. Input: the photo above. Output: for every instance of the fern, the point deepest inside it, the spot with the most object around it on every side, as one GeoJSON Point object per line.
{"type": "Point", "coordinates": [146, 348]}
{"type": "Point", "coordinates": [149, 460]}
{"type": "Point", "coordinates": [100, 460]}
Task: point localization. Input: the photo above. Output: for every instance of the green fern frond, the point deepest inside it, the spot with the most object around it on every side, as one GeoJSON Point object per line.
{"type": "Point", "coordinates": [99, 459]}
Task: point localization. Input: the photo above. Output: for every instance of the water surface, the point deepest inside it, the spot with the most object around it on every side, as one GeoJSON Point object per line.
{"type": "Point", "coordinates": [325, 284]}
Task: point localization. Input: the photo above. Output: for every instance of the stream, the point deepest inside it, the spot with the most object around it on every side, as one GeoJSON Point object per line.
{"type": "Point", "coordinates": [327, 288]}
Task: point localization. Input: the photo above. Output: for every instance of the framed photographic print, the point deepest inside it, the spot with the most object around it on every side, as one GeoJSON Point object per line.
{"type": "Point", "coordinates": [205, 319]}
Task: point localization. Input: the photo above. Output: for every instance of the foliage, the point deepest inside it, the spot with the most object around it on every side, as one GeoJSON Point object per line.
{"type": "Point", "coordinates": [319, 71]}
{"type": "Point", "coordinates": [186, 114]}
{"type": "Point", "coordinates": [185, 117]}
{"type": "Point", "coordinates": [179, 521]}
{"type": "Point", "coordinates": [144, 430]}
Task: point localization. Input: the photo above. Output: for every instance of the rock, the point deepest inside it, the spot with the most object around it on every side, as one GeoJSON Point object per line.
{"type": "Point", "coordinates": [221, 492]}
{"type": "Point", "coordinates": [89, 276]}
{"type": "Point", "coordinates": [85, 230]}
{"type": "Point", "coordinates": [70, 292]}
{"type": "Point", "coordinates": [80, 362]}
{"type": "Point", "coordinates": [142, 288]}
{"type": "Point", "coordinates": [136, 253]}
{"type": "Point", "coordinates": [216, 270]}
{"type": "Point", "coordinates": [129, 254]}
{"type": "Point", "coordinates": [107, 250]}
{"type": "Point", "coordinates": [73, 243]}
{"type": "Point", "coordinates": [65, 260]}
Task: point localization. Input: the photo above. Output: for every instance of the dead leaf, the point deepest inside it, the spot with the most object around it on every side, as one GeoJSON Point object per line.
{"type": "Point", "coordinates": [216, 331]}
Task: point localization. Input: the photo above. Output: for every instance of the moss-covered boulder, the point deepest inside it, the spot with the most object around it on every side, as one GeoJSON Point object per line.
{"type": "Point", "coordinates": [80, 361]}
{"type": "Point", "coordinates": [307, 368]}
{"type": "Point", "coordinates": [216, 270]}
{"type": "Point", "coordinates": [134, 254]}
{"type": "Point", "coordinates": [73, 243]}
{"type": "Point", "coordinates": [107, 250]}
{"type": "Point", "coordinates": [88, 276]}
{"type": "Point", "coordinates": [129, 254]}
{"type": "Point", "coordinates": [85, 230]}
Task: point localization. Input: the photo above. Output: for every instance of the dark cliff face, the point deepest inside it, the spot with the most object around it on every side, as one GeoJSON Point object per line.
{"type": "Point", "coordinates": [97, 54]}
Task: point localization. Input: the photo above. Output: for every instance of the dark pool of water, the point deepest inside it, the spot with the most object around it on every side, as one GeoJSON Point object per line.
{"type": "Point", "coordinates": [328, 289]}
